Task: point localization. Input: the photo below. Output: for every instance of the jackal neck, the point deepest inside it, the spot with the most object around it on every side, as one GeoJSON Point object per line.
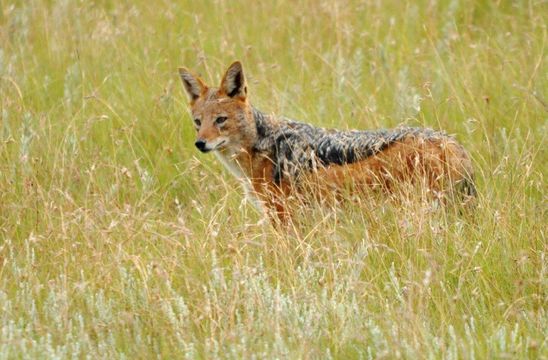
{"type": "Point", "coordinates": [266, 126]}
{"type": "Point", "coordinates": [262, 122]}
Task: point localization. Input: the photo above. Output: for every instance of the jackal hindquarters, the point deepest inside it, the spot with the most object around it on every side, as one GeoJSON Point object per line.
{"type": "Point", "coordinates": [275, 157]}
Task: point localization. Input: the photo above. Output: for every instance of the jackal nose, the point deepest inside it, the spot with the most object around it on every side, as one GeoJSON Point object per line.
{"type": "Point", "coordinates": [201, 145]}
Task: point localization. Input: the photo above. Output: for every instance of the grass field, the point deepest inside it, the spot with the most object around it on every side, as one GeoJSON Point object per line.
{"type": "Point", "coordinates": [119, 240]}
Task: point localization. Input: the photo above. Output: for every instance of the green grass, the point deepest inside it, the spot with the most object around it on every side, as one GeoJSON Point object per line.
{"type": "Point", "coordinates": [118, 239]}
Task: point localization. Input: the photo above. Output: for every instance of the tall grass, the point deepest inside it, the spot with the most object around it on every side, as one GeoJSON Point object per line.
{"type": "Point", "coordinates": [119, 240]}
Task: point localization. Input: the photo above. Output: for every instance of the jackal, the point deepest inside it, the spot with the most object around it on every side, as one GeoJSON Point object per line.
{"type": "Point", "coordinates": [276, 158]}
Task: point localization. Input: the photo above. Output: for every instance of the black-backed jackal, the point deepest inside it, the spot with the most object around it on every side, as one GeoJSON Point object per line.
{"type": "Point", "coordinates": [276, 158]}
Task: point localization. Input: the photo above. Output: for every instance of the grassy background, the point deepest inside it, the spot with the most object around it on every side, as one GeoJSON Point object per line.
{"type": "Point", "coordinates": [117, 239]}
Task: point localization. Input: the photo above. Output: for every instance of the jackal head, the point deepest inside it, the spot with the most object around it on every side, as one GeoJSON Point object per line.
{"type": "Point", "coordinates": [222, 116]}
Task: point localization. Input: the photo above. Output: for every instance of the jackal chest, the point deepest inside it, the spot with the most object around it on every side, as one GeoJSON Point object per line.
{"type": "Point", "coordinates": [232, 166]}
{"type": "Point", "coordinates": [236, 169]}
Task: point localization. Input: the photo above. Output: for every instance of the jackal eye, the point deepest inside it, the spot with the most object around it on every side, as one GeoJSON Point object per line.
{"type": "Point", "coordinates": [220, 120]}
{"type": "Point", "coordinates": [197, 122]}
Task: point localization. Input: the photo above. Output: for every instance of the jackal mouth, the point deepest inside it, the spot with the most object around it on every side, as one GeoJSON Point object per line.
{"type": "Point", "coordinates": [219, 145]}
{"type": "Point", "coordinates": [206, 149]}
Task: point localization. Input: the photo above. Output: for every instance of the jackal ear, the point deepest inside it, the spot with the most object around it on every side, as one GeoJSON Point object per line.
{"type": "Point", "coordinates": [194, 86]}
{"type": "Point", "coordinates": [233, 83]}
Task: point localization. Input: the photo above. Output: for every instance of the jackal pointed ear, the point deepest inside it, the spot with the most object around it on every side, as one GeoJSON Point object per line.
{"type": "Point", "coordinates": [194, 86]}
{"type": "Point", "coordinates": [233, 83]}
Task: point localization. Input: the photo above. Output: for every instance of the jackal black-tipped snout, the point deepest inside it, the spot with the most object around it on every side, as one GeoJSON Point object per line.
{"type": "Point", "coordinates": [201, 145]}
